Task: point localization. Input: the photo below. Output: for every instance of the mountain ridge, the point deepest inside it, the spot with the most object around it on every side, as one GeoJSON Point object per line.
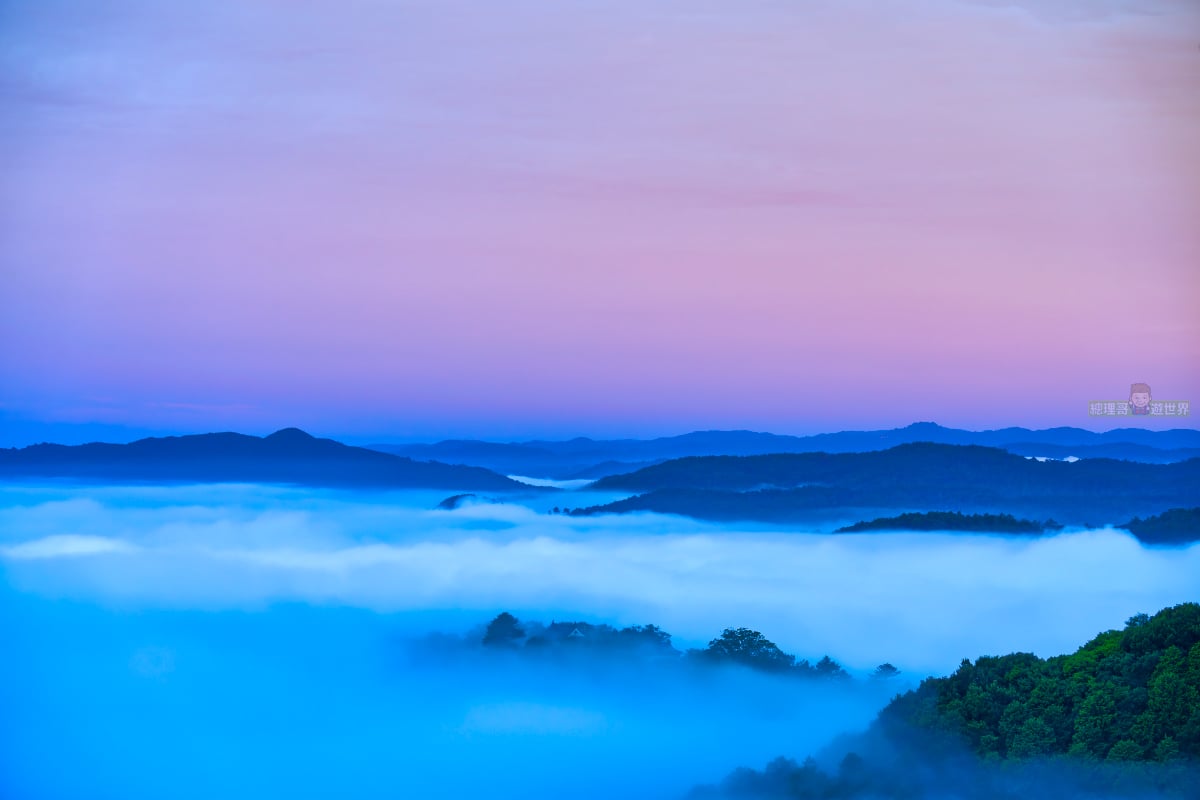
{"type": "Point", "coordinates": [914, 477]}
{"type": "Point", "coordinates": [288, 455]}
{"type": "Point", "coordinates": [593, 458]}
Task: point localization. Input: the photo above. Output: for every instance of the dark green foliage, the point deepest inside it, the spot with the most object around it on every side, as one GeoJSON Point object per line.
{"type": "Point", "coordinates": [1130, 695]}
{"type": "Point", "coordinates": [951, 521]}
{"type": "Point", "coordinates": [1177, 526]}
{"type": "Point", "coordinates": [1119, 719]}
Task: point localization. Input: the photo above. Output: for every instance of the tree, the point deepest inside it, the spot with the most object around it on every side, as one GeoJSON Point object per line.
{"type": "Point", "coordinates": [751, 648]}
{"type": "Point", "coordinates": [1170, 701]}
{"type": "Point", "coordinates": [1095, 722]}
{"type": "Point", "coordinates": [1034, 738]}
{"type": "Point", "coordinates": [828, 668]}
{"type": "Point", "coordinates": [885, 672]}
{"type": "Point", "coordinates": [503, 631]}
{"type": "Point", "coordinates": [649, 637]}
{"type": "Point", "coordinates": [1126, 750]}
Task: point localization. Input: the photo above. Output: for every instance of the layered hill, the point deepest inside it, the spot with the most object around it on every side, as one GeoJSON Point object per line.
{"type": "Point", "coordinates": [594, 458]}
{"type": "Point", "coordinates": [286, 456]}
{"type": "Point", "coordinates": [912, 477]}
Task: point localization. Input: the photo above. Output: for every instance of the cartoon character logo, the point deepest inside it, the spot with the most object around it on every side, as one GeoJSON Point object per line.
{"type": "Point", "coordinates": [1139, 399]}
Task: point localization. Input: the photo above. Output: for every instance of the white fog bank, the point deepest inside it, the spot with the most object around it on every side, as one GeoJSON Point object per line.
{"type": "Point", "coordinates": [921, 601]}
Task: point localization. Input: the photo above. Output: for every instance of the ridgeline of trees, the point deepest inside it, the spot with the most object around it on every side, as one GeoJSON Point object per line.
{"type": "Point", "coordinates": [953, 521]}
{"type": "Point", "coordinates": [1177, 526]}
{"type": "Point", "coordinates": [1119, 718]}
{"type": "Point", "coordinates": [735, 646]}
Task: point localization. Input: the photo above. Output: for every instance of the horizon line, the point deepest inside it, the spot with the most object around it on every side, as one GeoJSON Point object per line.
{"type": "Point", "coordinates": [137, 434]}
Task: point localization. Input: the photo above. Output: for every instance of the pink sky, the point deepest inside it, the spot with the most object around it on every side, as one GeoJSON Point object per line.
{"type": "Point", "coordinates": [423, 219]}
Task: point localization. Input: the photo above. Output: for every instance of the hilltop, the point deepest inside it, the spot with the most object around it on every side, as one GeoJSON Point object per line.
{"type": "Point", "coordinates": [286, 456]}
{"type": "Point", "coordinates": [1118, 718]}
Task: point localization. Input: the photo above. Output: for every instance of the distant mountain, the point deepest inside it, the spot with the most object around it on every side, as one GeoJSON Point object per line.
{"type": "Point", "coordinates": [554, 460]}
{"type": "Point", "coordinates": [1007, 437]}
{"type": "Point", "coordinates": [916, 464]}
{"type": "Point", "coordinates": [286, 456]}
{"type": "Point", "coordinates": [592, 458]}
{"type": "Point", "coordinates": [911, 477]}
{"type": "Point", "coordinates": [1122, 451]}
{"type": "Point", "coordinates": [605, 468]}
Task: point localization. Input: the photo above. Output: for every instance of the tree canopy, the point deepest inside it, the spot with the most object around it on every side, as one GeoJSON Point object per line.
{"type": "Point", "coordinates": [737, 646]}
{"type": "Point", "coordinates": [751, 648]}
{"type": "Point", "coordinates": [1129, 695]}
{"type": "Point", "coordinates": [503, 631]}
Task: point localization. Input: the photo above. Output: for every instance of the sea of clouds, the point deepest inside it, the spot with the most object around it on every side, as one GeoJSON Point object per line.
{"type": "Point", "coordinates": [245, 641]}
{"type": "Point", "coordinates": [922, 601]}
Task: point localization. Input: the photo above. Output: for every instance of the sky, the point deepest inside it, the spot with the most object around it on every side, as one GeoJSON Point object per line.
{"type": "Point", "coordinates": [416, 219]}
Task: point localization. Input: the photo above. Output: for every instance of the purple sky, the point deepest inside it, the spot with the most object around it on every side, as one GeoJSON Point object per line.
{"type": "Point", "coordinates": [425, 218]}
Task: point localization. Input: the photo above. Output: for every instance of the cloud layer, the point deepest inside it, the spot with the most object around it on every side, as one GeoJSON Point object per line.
{"type": "Point", "coordinates": [922, 601]}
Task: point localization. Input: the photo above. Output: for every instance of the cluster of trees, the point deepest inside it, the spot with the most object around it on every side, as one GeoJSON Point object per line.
{"type": "Point", "coordinates": [1128, 695]}
{"type": "Point", "coordinates": [1176, 526]}
{"type": "Point", "coordinates": [751, 649]}
{"type": "Point", "coordinates": [953, 521]}
{"type": "Point", "coordinates": [735, 646]}
{"type": "Point", "coordinates": [506, 631]}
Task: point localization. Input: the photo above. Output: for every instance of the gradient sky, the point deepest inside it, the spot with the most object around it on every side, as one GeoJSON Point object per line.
{"type": "Point", "coordinates": [425, 218]}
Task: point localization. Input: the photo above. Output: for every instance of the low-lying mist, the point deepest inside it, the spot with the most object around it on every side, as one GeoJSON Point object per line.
{"type": "Point", "coordinates": [920, 601]}
{"type": "Point", "coordinates": [263, 641]}
{"type": "Point", "coordinates": [299, 701]}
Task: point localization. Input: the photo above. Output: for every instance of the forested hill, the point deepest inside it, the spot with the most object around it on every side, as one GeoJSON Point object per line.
{"type": "Point", "coordinates": [1118, 718]}
{"type": "Point", "coordinates": [1127, 695]}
